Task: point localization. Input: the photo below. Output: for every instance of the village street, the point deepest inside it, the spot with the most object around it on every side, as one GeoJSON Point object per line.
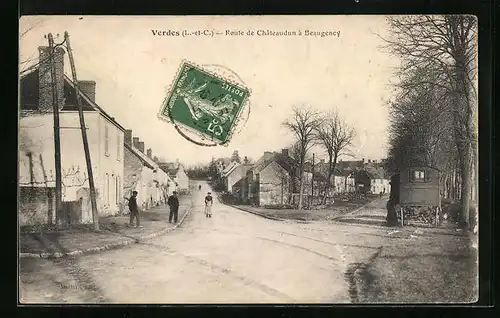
{"type": "Point", "coordinates": [234, 257]}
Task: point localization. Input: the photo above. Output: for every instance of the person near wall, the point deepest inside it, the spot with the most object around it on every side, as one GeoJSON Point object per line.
{"type": "Point", "coordinates": [208, 205]}
{"type": "Point", "coordinates": [173, 203]}
{"type": "Point", "coordinates": [134, 210]}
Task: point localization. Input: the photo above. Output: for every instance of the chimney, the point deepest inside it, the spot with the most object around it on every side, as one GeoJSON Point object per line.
{"type": "Point", "coordinates": [150, 153]}
{"type": "Point", "coordinates": [141, 146]}
{"type": "Point", "coordinates": [136, 142]}
{"type": "Point", "coordinates": [88, 88]}
{"type": "Point", "coordinates": [127, 137]}
{"type": "Point", "coordinates": [45, 78]}
{"type": "Point", "coordinates": [284, 151]}
{"type": "Point", "coordinates": [155, 159]}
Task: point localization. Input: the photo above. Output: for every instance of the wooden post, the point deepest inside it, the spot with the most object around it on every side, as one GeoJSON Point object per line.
{"type": "Point", "coordinates": [437, 216]}
{"type": "Point", "coordinates": [93, 199]}
{"type": "Point", "coordinates": [57, 140]}
{"type": "Point", "coordinates": [402, 216]}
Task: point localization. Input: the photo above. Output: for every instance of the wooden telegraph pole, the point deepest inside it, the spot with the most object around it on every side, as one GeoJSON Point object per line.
{"type": "Point", "coordinates": [57, 139]}
{"type": "Point", "coordinates": [93, 200]}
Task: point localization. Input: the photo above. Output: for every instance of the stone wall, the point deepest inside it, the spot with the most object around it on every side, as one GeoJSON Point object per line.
{"type": "Point", "coordinates": [36, 205]}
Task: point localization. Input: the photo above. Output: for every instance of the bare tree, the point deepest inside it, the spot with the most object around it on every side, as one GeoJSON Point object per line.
{"type": "Point", "coordinates": [303, 125]}
{"type": "Point", "coordinates": [440, 51]}
{"type": "Point", "coordinates": [335, 136]}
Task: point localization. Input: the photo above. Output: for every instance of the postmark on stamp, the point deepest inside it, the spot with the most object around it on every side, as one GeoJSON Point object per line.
{"type": "Point", "coordinates": [205, 103]}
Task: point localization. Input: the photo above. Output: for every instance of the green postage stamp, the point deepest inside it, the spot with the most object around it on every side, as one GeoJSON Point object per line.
{"type": "Point", "coordinates": [204, 103]}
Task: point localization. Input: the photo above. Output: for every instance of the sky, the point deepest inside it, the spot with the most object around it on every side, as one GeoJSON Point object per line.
{"type": "Point", "coordinates": [133, 68]}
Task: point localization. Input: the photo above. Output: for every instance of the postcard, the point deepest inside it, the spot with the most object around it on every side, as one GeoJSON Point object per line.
{"type": "Point", "coordinates": [248, 159]}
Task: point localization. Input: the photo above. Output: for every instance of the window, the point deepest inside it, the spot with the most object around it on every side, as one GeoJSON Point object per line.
{"type": "Point", "coordinates": [117, 189]}
{"type": "Point", "coordinates": [418, 176]}
{"type": "Point", "coordinates": [107, 189]}
{"type": "Point", "coordinates": [119, 147]}
{"type": "Point", "coordinates": [106, 140]}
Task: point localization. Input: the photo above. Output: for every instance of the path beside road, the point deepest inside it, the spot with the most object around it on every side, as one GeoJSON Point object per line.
{"type": "Point", "coordinates": [306, 215]}
{"type": "Point", "coordinates": [114, 233]}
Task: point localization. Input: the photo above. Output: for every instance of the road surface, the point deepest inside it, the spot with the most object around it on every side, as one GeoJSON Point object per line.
{"type": "Point", "coordinates": [233, 257]}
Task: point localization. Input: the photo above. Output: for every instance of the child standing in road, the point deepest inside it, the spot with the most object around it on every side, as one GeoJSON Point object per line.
{"type": "Point", "coordinates": [208, 205]}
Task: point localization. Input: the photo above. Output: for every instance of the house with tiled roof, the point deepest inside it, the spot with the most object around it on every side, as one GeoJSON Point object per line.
{"type": "Point", "coordinates": [36, 148]}
{"type": "Point", "coordinates": [177, 173]}
{"type": "Point", "coordinates": [143, 174]}
{"type": "Point", "coordinates": [370, 176]}
{"type": "Point", "coordinates": [267, 182]}
{"type": "Point", "coordinates": [232, 175]}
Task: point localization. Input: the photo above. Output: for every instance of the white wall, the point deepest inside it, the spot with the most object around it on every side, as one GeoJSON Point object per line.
{"type": "Point", "coordinates": [378, 185]}
{"type": "Point", "coordinates": [37, 137]}
{"type": "Point", "coordinates": [109, 180]}
{"type": "Point", "coordinates": [343, 185]}
{"type": "Point", "coordinates": [182, 179]}
{"type": "Point", "coordinates": [273, 185]}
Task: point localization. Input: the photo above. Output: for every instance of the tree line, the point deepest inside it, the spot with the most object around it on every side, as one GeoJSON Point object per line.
{"type": "Point", "coordinates": [433, 113]}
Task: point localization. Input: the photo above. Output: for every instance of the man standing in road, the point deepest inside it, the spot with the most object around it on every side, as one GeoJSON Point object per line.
{"type": "Point", "coordinates": [208, 205]}
{"type": "Point", "coordinates": [134, 210]}
{"type": "Point", "coordinates": [173, 203]}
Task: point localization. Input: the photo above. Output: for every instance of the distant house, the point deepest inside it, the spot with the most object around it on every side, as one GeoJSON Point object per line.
{"type": "Point", "coordinates": [267, 182]}
{"type": "Point", "coordinates": [346, 167]}
{"type": "Point", "coordinates": [370, 176]}
{"type": "Point", "coordinates": [224, 173]}
{"type": "Point", "coordinates": [36, 148]}
{"type": "Point", "coordinates": [343, 184]}
{"type": "Point", "coordinates": [221, 164]}
{"type": "Point", "coordinates": [234, 173]}
{"type": "Point", "coordinates": [379, 182]}
{"type": "Point", "coordinates": [142, 174]}
{"type": "Point", "coordinates": [341, 180]}
{"type": "Point", "coordinates": [177, 173]}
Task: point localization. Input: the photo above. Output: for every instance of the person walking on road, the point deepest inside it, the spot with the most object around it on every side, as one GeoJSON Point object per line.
{"type": "Point", "coordinates": [173, 203]}
{"type": "Point", "coordinates": [134, 210]}
{"type": "Point", "coordinates": [208, 205]}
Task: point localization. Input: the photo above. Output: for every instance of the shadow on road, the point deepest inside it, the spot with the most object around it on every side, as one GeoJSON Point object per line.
{"type": "Point", "coordinates": [363, 221]}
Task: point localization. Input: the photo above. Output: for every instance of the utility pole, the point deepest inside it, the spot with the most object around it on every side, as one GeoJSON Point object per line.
{"type": "Point", "coordinates": [57, 139]}
{"type": "Point", "coordinates": [95, 215]}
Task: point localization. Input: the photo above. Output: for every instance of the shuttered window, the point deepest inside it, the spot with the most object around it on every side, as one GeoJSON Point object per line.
{"type": "Point", "coordinates": [106, 140]}
{"type": "Point", "coordinates": [119, 147]}
{"type": "Point", "coordinates": [117, 189]}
